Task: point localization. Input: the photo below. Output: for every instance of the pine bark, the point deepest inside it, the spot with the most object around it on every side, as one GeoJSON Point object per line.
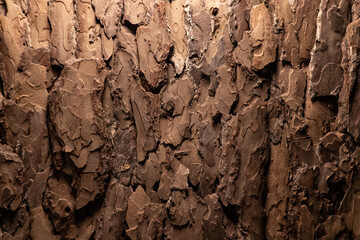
{"type": "Point", "coordinates": [179, 119]}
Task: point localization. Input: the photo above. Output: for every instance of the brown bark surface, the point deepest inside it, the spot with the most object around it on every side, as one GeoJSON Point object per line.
{"type": "Point", "coordinates": [179, 119]}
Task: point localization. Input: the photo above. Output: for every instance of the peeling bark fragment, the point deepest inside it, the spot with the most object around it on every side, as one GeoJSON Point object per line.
{"type": "Point", "coordinates": [296, 20]}
{"type": "Point", "coordinates": [189, 156]}
{"type": "Point", "coordinates": [75, 113]}
{"type": "Point", "coordinates": [209, 148]}
{"type": "Point", "coordinates": [78, 121]}
{"type": "Point", "coordinates": [182, 207]}
{"type": "Point", "coordinates": [88, 40]}
{"type": "Point", "coordinates": [149, 175]}
{"type": "Point", "coordinates": [262, 43]}
{"type": "Point", "coordinates": [112, 220]}
{"type": "Point", "coordinates": [11, 175]}
{"type": "Point", "coordinates": [326, 73]}
{"type": "Point", "coordinates": [62, 31]}
{"type": "Point", "coordinates": [154, 43]}
{"type": "Point", "coordinates": [138, 12]}
{"type": "Point", "coordinates": [143, 105]}
{"type": "Point", "coordinates": [238, 20]}
{"type": "Point", "coordinates": [39, 24]}
{"type": "Point", "coordinates": [41, 226]}
{"type": "Point", "coordinates": [109, 13]}
{"type": "Point", "coordinates": [198, 28]}
{"type": "Point", "coordinates": [180, 180]}
{"type": "Point", "coordinates": [257, 47]}
{"type": "Point", "coordinates": [151, 227]}
{"type": "Point", "coordinates": [179, 210]}
{"type": "Point", "coordinates": [212, 221]}
{"type": "Point", "coordinates": [348, 111]}
{"type": "Point", "coordinates": [175, 16]}
{"type": "Point", "coordinates": [136, 204]}
{"type": "Point", "coordinates": [59, 202]}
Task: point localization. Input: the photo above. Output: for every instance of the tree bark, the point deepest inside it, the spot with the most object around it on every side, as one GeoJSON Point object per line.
{"type": "Point", "coordinates": [179, 119]}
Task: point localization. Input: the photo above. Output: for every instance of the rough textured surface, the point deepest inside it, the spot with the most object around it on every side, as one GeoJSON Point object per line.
{"type": "Point", "coordinates": [179, 119]}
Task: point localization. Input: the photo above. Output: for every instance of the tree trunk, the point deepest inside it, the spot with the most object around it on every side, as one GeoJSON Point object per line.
{"type": "Point", "coordinates": [179, 119]}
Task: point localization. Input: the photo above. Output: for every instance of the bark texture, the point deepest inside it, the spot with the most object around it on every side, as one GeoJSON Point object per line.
{"type": "Point", "coordinates": [179, 119]}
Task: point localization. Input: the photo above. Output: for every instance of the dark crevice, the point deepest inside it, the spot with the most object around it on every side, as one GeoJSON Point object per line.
{"type": "Point", "coordinates": [286, 63]}
{"type": "Point", "coordinates": [49, 24]}
{"type": "Point", "coordinates": [3, 8]}
{"type": "Point", "coordinates": [89, 210]}
{"type": "Point", "coordinates": [168, 109]}
{"type": "Point", "coordinates": [353, 92]}
{"type": "Point", "coordinates": [215, 11]}
{"type": "Point", "coordinates": [234, 43]}
{"type": "Point", "coordinates": [234, 105]}
{"type": "Point", "coordinates": [132, 27]}
{"type": "Point", "coordinates": [231, 212]}
{"type": "Point", "coordinates": [170, 55]}
{"type": "Point", "coordinates": [108, 62]}
{"type": "Point", "coordinates": [216, 184]}
{"type": "Point", "coordinates": [319, 232]}
{"type": "Point", "coordinates": [148, 87]}
{"type": "Point", "coordinates": [337, 189]}
{"type": "Point", "coordinates": [206, 77]}
{"type": "Point", "coordinates": [3, 139]}
{"type": "Point", "coordinates": [56, 71]}
{"type": "Point", "coordinates": [267, 71]}
{"type": "Point", "coordinates": [345, 235]}
{"type": "Point", "coordinates": [196, 188]}
{"type": "Point", "coordinates": [195, 58]}
{"type": "Point", "coordinates": [330, 101]}
{"type": "Point", "coordinates": [2, 86]}
{"type": "Point", "coordinates": [156, 186]}
{"type": "Point", "coordinates": [217, 118]}
{"type": "Point", "coordinates": [92, 237]}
